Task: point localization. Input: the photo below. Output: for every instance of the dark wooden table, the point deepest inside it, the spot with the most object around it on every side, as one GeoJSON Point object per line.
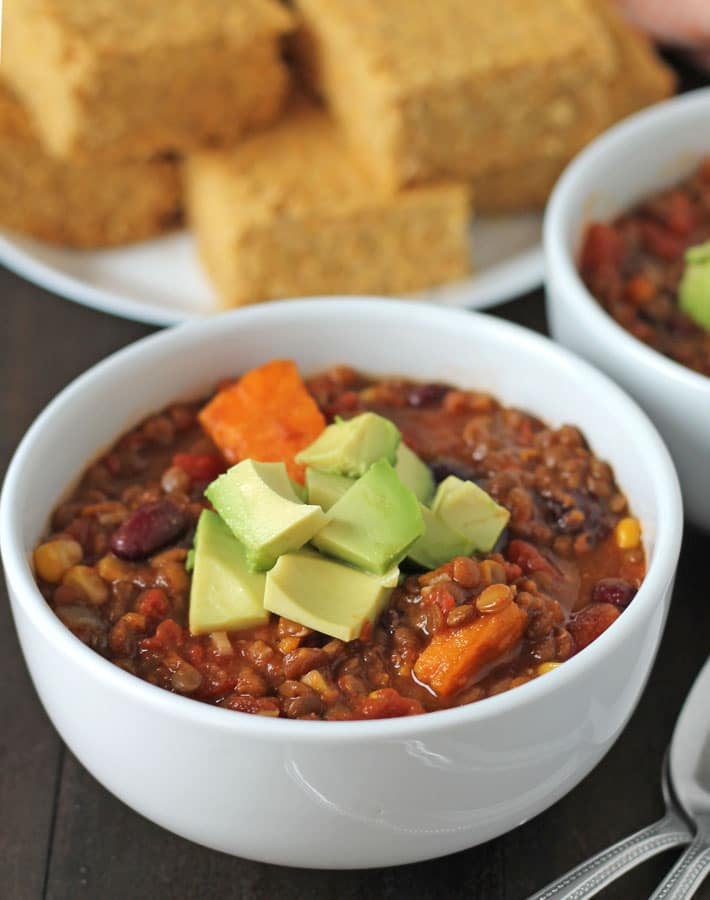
{"type": "Point", "coordinates": [62, 836]}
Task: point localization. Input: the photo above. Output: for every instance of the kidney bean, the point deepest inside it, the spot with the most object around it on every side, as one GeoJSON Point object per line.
{"type": "Point", "coordinates": [442, 468]}
{"type": "Point", "coordinates": [592, 621]}
{"type": "Point", "coordinates": [426, 394]}
{"type": "Point", "coordinates": [151, 527]}
{"type": "Point", "coordinates": [616, 591]}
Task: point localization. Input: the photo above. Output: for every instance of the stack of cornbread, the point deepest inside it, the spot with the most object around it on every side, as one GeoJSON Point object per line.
{"type": "Point", "coordinates": [351, 169]}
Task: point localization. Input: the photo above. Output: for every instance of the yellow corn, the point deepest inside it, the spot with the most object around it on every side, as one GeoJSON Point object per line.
{"type": "Point", "coordinates": [628, 533]}
{"type": "Point", "coordinates": [53, 558]}
{"type": "Point", "coordinates": [86, 580]}
{"type": "Point", "coordinates": [544, 668]}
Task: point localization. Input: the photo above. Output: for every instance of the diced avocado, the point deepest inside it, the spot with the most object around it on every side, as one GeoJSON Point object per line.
{"type": "Point", "coordinates": [190, 560]}
{"type": "Point", "coordinates": [414, 473]}
{"type": "Point", "coordinates": [694, 288]}
{"type": "Point", "coordinates": [374, 523]}
{"type": "Point", "coordinates": [350, 447]}
{"type": "Point", "coordinates": [324, 488]}
{"type": "Point", "coordinates": [468, 509]}
{"type": "Point", "coordinates": [439, 543]}
{"type": "Point", "coordinates": [325, 595]}
{"type": "Point", "coordinates": [224, 595]}
{"type": "Point", "coordinates": [258, 503]}
{"type": "Point", "coordinates": [299, 490]}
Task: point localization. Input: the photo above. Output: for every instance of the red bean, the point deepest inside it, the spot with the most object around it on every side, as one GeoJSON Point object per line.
{"type": "Point", "coordinates": [151, 527]}
{"type": "Point", "coordinates": [616, 591]}
{"type": "Point", "coordinates": [426, 394]}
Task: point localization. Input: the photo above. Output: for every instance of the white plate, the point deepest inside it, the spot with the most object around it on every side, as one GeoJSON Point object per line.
{"type": "Point", "coordinates": [161, 281]}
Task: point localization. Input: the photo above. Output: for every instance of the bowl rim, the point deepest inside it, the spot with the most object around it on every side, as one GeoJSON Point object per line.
{"type": "Point", "coordinates": [21, 583]}
{"type": "Point", "coordinates": [568, 196]}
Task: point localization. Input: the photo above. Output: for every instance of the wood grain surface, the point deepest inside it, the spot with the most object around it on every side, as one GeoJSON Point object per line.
{"type": "Point", "coordinates": [62, 836]}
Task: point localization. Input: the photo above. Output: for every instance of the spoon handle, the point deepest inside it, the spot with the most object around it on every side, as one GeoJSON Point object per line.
{"type": "Point", "coordinates": [589, 877]}
{"type": "Point", "coordinates": [687, 874]}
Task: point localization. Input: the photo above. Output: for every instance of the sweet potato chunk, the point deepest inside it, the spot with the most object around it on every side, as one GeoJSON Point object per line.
{"type": "Point", "coordinates": [268, 416]}
{"type": "Point", "coordinates": [455, 657]}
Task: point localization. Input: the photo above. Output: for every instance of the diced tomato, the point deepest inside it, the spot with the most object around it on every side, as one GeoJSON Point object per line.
{"type": "Point", "coordinates": [386, 703]}
{"type": "Point", "coordinates": [639, 290]}
{"type": "Point", "coordinates": [679, 213]}
{"type": "Point", "coordinates": [528, 558]}
{"type": "Point", "coordinates": [603, 246]}
{"type": "Point", "coordinates": [167, 635]}
{"type": "Point", "coordinates": [442, 597]}
{"type": "Point", "coordinates": [661, 241]}
{"type": "Point", "coordinates": [153, 603]}
{"type": "Point", "coordinates": [200, 466]}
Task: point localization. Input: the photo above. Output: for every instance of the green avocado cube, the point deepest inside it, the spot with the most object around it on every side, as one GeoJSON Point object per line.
{"type": "Point", "coordinates": [326, 595]}
{"type": "Point", "coordinates": [325, 488]}
{"type": "Point", "coordinates": [299, 490]}
{"type": "Point", "coordinates": [415, 473]}
{"type": "Point", "coordinates": [258, 503]}
{"type": "Point", "coordinates": [374, 524]}
{"type": "Point", "coordinates": [464, 507]}
{"type": "Point", "coordinates": [694, 288]}
{"type": "Point", "coordinates": [349, 447]}
{"type": "Point", "coordinates": [439, 543]}
{"type": "Point", "coordinates": [224, 594]}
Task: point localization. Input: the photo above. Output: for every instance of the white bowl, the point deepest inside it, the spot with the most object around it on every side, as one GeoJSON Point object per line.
{"type": "Point", "coordinates": [330, 794]}
{"type": "Point", "coordinates": [639, 157]}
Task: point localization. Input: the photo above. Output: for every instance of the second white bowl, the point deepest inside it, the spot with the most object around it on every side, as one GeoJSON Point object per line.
{"type": "Point", "coordinates": [650, 151]}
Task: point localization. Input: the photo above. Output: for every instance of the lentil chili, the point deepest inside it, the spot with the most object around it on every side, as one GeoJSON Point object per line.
{"type": "Point", "coordinates": [113, 564]}
{"type": "Point", "coordinates": [634, 264]}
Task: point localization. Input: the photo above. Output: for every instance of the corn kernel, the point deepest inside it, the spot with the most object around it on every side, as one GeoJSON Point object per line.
{"type": "Point", "coordinates": [628, 534]}
{"type": "Point", "coordinates": [53, 558]}
{"type": "Point", "coordinates": [314, 679]}
{"type": "Point", "coordinates": [111, 568]}
{"type": "Point", "coordinates": [546, 667]}
{"type": "Point", "coordinates": [88, 582]}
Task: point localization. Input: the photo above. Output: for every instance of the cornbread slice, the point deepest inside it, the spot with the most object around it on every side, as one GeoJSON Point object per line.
{"type": "Point", "coordinates": [100, 204]}
{"type": "Point", "coordinates": [288, 212]}
{"type": "Point", "coordinates": [640, 78]}
{"type": "Point", "coordinates": [127, 80]}
{"type": "Point", "coordinates": [455, 87]}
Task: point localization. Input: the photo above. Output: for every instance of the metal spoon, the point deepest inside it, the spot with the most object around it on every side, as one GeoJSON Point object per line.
{"type": "Point", "coordinates": [685, 779]}
{"type": "Point", "coordinates": [690, 778]}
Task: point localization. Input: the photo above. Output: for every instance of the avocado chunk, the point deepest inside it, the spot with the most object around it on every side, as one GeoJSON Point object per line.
{"type": "Point", "coordinates": [224, 595]}
{"type": "Point", "coordinates": [374, 523]}
{"type": "Point", "coordinates": [258, 503]}
{"type": "Point", "coordinates": [470, 511]}
{"type": "Point", "coordinates": [324, 488]}
{"type": "Point", "coordinates": [694, 288]}
{"type": "Point", "coordinates": [351, 446]}
{"type": "Point", "coordinates": [326, 595]}
{"type": "Point", "coordinates": [415, 474]}
{"type": "Point", "coordinates": [439, 543]}
{"type": "Point", "coordinates": [299, 490]}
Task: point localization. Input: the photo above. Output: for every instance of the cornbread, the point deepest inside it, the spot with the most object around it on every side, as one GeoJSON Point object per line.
{"type": "Point", "coordinates": [455, 87]}
{"type": "Point", "coordinates": [96, 205]}
{"type": "Point", "coordinates": [128, 80]}
{"type": "Point", "coordinates": [289, 212]}
{"type": "Point", "coordinates": [640, 78]}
